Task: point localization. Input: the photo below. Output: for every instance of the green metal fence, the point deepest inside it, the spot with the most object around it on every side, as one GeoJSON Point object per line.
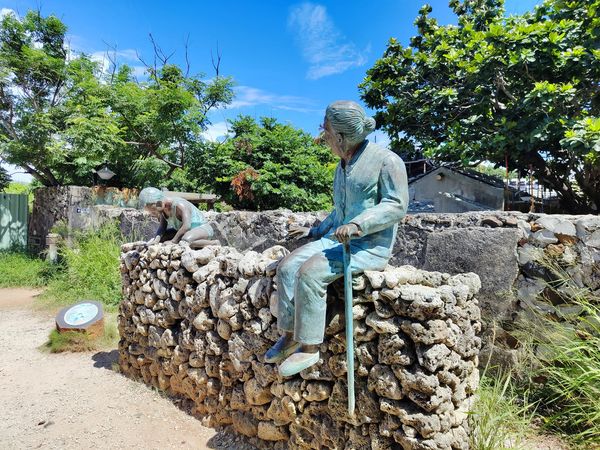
{"type": "Point", "coordinates": [13, 220]}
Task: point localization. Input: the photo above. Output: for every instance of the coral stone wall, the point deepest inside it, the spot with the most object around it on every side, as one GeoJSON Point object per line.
{"type": "Point", "coordinates": [76, 208]}
{"type": "Point", "coordinates": [197, 324]}
{"type": "Point", "coordinates": [506, 249]}
{"type": "Point", "coordinates": [67, 204]}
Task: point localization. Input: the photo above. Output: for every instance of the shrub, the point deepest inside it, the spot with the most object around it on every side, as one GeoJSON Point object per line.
{"type": "Point", "coordinates": [18, 269]}
{"type": "Point", "coordinates": [90, 269]}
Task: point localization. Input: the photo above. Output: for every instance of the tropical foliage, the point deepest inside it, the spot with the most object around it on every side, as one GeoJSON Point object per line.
{"type": "Point", "coordinates": [4, 179]}
{"type": "Point", "coordinates": [521, 90]}
{"type": "Point", "coordinates": [268, 165]}
{"type": "Point", "coordinates": [63, 114]}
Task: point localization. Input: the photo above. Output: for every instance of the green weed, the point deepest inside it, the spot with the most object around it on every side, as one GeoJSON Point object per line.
{"type": "Point", "coordinates": [501, 417]}
{"type": "Point", "coordinates": [564, 369]}
{"type": "Point", "coordinates": [77, 341]}
{"type": "Point", "coordinates": [90, 269]}
{"type": "Point", "coordinates": [18, 269]}
{"type": "Point", "coordinates": [70, 341]}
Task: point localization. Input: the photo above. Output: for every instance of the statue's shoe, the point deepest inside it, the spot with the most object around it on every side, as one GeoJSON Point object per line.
{"type": "Point", "coordinates": [297, 362]}
{"type": "Point", "coordinates": [281, 350]}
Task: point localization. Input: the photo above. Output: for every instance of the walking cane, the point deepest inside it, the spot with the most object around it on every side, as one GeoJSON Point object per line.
{"type": "Point", "coordinates": [349, 326]}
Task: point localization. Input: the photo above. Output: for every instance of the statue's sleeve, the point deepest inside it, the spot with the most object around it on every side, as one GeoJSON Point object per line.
{"type": "Point", "coordinates": [393, 189]}
{"type": "Point", "coordinates": [321, 230]}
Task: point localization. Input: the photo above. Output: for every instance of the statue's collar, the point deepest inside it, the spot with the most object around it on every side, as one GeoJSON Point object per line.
{"type": "Point", "coordinates": [356, 155]}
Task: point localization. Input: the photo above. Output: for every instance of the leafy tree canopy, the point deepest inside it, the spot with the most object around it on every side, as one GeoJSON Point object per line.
{"type": "Point", "coordinates": [267, 165]}
{"type": "Point", "coordinates": [4, 179]}
{"type": "Point", "coordinates": [62, 115]}
{"type": "Point", "coordinates": [523, 88]}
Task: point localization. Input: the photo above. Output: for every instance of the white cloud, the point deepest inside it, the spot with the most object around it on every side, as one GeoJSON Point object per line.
{"type": "Point", "coordinates": [216, 132]}
{"type": "Point", "coordinates": [325, 48]}
{"type": "Point", "coordinates": [139, 71]}
{"type": "Point", "coordinates": [102, 59]}
{"type": "Point", "coordinates": [7, 11]}
{"type": "Point", "coordinates": [250, 96]}
{"type": "Point", "coordinates": [128, 55]}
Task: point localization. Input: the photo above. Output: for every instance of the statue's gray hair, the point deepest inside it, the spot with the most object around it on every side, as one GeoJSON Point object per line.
{"type": "Point", "coordinates": [349, 119]}
{"type": "Point", "coordinates": [150, 196]}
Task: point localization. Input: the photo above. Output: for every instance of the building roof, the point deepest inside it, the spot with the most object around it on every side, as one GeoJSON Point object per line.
{"type": "Point", "coordinates": [487, 179]}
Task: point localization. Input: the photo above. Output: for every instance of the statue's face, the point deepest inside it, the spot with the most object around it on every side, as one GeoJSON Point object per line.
{"type": "Point", "coordinates": [332, 139]}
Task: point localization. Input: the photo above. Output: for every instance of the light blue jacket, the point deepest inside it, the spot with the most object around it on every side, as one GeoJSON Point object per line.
{"type": "Point", "coordinates": [371, 192]}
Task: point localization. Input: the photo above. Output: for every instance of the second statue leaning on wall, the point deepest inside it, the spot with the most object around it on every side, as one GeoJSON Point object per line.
{"type": "Point", "coordinates": [180, 221]}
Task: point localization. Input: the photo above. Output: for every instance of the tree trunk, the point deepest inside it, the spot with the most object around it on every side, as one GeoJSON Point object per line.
{"type": "Point", "coordinates": [570, 201]}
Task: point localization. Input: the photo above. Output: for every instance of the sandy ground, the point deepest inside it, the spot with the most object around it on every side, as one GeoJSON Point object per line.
{"type": "Point", "coordinates": [75, 401]}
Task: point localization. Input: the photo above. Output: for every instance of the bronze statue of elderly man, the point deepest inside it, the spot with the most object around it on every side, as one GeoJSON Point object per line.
{"type": "Point", "coordinates": [370, 196]}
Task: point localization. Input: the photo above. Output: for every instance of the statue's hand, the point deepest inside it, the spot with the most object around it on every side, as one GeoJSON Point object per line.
{"type": "Point", "coordinates": [297, 232]}
{"type": "Point", "coordinates": [346, 232]}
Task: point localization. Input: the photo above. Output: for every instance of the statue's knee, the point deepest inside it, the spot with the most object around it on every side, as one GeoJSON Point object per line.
{"type": "Point", "coordinates": [284, 269]}
{"type": "Point", "coordinates": [309, 271]}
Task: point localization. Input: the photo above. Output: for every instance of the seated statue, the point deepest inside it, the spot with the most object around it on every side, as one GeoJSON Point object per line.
{"type": "Point", "coordinates": [180, 221]}
{"type": "Point", "coordinates": [370, 196]}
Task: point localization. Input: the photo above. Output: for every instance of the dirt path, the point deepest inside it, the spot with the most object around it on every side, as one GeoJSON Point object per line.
{"type": "Point", "coordinates": [74, 401]}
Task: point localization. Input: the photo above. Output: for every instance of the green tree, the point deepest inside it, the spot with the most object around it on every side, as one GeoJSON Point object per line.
{"type": "Point", "coordinates": [161, 120]}
{"type": "Point", "coordinates": [33, 77]}
{"type": "Point", "coordinates": [267, 165]}
{"type": "Point", "coordinates": [524, 87]}
{"type": "Point", "coordinates": [4, 179]}
{"type": "Point", "coordinates": [62, 115]}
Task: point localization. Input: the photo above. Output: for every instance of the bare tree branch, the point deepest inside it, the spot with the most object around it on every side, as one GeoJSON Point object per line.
{"type": "Point", "coordinates": [153, 151]}
{"type": "Point", "coordinates": [216, 65]}
{"type": "Point", "coordinates": [112, 60]}
{"type": "Point", "coordinates": [151, 69]}
{"type": "Point", "coordinates": [187, 60]}
{"type": "Point", "coordinates": [159, 53]}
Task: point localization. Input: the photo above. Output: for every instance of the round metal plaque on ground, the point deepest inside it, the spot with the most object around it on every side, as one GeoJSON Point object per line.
{"type": "Point", "coordinates": [85, 316]}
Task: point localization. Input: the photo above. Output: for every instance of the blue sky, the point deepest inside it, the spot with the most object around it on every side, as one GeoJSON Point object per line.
{"type": "Point", "coordinates": [288, 59]}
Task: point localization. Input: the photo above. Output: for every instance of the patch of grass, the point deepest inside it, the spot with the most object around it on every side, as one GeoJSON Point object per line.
{"type": "Point", "coordinates": [76, 341]}
{"type": "Point", "coordinates": [566, 375]}
{"type": "Point", "coordinates": [501, 417]}
{"type": "Point", "coordinates": [564, 362]}
{"type": "Point", "coordinates": [18, 269]}
{"type": "Point", "coordinates": [90, 270]}
{"type": "Point", "coordinates": [70, 341]}
{"type": "Point", "coordinates": [111, 336]}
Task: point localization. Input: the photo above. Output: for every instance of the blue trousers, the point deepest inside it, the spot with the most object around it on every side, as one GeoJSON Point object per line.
{"type": "Point", "coordinates": [302, 279]}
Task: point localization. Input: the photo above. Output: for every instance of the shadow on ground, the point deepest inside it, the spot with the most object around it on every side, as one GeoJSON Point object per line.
{"type": "Point", "coordinates": [106, 360]}
{"type": "Point", "coordinates": [224, 439]}
{"type": "Point", "coordinates": [228, 440]}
